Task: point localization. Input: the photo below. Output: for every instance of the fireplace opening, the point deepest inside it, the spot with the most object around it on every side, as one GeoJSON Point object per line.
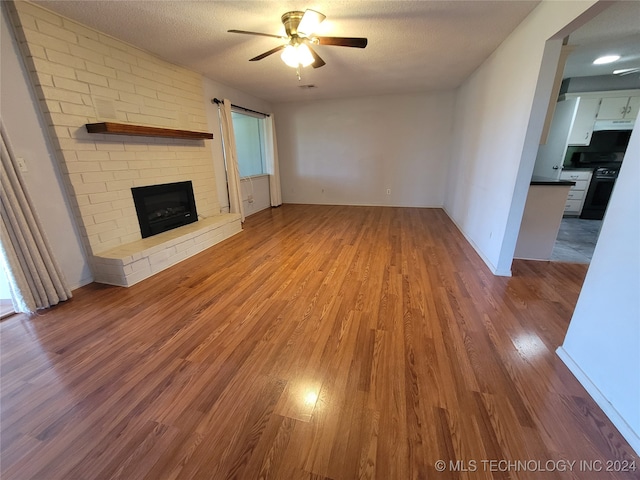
{"type": "Point", "coordinates": [164, 207]}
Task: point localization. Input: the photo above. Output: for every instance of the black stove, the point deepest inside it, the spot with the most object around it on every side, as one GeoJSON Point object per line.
{"type": "Point", "coordinates": [596, 160]}
{"type": "Point", "coordinates": [607, 172]}
{"type": "Point", "coordinates": [599, 191]}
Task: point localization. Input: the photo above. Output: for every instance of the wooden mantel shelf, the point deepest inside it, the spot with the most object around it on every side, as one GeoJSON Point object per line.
{"type": "Point", "coordinates": [127, 129]}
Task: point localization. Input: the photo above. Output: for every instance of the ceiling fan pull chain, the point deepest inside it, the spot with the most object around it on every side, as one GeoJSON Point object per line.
{"type": "Point", "coordinates": [298, 73]}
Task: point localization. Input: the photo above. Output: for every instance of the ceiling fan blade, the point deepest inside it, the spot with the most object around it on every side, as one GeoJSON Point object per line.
{"type": "Point", "coordinates": [310, 21]}
{"type": "Point", "coordinates": [626, 71]}
{"type": "Point", "coordinates": [317, 61]}
{"type": "Point", "coordinates": [244, 32]}
{"type": "Point", "coordinates": [266, 54]}
{"type": "Point", "coordinates": [357, 42]}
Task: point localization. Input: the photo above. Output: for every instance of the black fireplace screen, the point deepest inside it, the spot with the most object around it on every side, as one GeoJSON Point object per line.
{"type": "Point", "coordinates": [164, 207]}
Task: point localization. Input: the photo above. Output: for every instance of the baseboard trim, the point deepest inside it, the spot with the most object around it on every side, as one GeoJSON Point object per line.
{"type": "Point", "coordinates": [609, 410]}
{"type": "Point", "coordinates": [360, 204]}
{"type": "Point", "coordinates": [82, 283]}
{"type": "Point", "coordinates": [492, 267]}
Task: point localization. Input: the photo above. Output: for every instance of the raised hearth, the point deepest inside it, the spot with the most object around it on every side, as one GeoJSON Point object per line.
{"type": "Point", "coordinates": [130, 263]}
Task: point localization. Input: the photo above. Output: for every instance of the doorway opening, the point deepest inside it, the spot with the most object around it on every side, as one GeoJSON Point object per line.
{"type": "Point", "coordinates": [589, 123]}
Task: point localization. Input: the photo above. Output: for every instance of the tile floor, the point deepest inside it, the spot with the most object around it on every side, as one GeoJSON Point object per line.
{"type": "Point", "coordinates": [576, 240]}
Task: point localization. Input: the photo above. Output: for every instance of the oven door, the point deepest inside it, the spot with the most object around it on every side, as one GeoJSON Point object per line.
{"type": "Point", "coordinates": [597, 199]}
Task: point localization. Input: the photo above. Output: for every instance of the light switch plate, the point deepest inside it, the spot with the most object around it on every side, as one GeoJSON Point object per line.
{"type": "Point", "coordinates": [22, 165]}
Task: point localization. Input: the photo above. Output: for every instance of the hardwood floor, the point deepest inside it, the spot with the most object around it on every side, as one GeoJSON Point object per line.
{"type": "Point", "coordinates": [323, 342]}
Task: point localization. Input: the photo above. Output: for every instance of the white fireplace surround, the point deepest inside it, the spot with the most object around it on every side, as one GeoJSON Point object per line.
{"type": "Point", "coordinates": [130, 263]}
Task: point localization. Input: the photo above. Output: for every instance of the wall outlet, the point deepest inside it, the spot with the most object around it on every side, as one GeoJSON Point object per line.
{"type": "Point", "coordinates": [388, 191]}
{"type": "Point", "coordinates": [22, 165]}
{"type": "Point", "coordinates": [250, 198]}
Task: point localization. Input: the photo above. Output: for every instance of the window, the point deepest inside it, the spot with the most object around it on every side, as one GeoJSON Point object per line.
{"type": "Point", "coordinates": [249, 133]}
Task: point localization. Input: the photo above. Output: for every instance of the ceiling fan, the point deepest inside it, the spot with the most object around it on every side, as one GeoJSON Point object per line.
{"type": "Point", "coordinates": [297, 51]}
{"type": "Point", "coordinates": [626, 71]}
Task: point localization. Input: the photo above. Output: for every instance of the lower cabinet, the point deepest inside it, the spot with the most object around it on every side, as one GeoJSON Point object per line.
{"type": "Point", "coordinates": [577, 194]}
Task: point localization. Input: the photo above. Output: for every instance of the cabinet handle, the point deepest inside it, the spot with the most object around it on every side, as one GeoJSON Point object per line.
{"type": "Point", "coordinates": [586, 136]}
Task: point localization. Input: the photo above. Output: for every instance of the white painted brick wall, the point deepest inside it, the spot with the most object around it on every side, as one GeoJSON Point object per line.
{"type": "Point", "coordinates": [74, 68]}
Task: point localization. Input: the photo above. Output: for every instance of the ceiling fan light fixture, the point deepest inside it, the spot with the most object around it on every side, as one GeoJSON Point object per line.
{"type": "Point", "coordinates": [310, 21]}
{"type": "Point", "coordinates": [624, 71]}
{"type": "Point", "coordinates": [300, 29]}
{"type": "Point", "coordinates": [297, 55]}
{"type": "Point", "coordinates": [606, 59]}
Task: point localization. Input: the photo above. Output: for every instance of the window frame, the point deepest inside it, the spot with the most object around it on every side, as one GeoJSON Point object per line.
{"type": "Point", "coordinates": [262, 140]}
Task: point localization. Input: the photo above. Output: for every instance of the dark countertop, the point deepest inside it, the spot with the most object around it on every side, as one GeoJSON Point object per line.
{"type": "Point", "coordinates": [580, 169]}
{"type": "Point", "coordinates": [535, 180]}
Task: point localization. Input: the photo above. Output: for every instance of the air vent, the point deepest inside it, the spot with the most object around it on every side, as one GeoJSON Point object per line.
{"type": "Point", "coordinates": [307, 87]}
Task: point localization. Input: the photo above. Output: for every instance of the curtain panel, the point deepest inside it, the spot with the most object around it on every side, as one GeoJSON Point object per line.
{"type": "Point", "coordinates": [272, 162]}
{"type": "Point", "coordinates": [35, 278]}
{"type": "Point", "coordinates": [231, 159]}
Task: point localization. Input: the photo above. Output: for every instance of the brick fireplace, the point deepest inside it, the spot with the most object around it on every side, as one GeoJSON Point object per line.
{"type": "Point", "coordinates": [82, 76]}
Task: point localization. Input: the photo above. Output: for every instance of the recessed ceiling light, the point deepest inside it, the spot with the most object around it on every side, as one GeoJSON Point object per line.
{"type": "Point", "coordinates": [606, 59]}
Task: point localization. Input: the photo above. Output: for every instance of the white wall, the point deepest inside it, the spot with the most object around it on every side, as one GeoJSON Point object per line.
{"type": "Point", "coordinates": [27, 133]}
{"type": "Point", "coordinates": [258, 188]}
{"type": "Point", "coordinates": [602, 346]}
{"type": "Point", "coordinates": [499, 116]}
{"type": "Point", "coordinates": [260, 185]}
{"type": "Point", "coordinates": [350, 151]}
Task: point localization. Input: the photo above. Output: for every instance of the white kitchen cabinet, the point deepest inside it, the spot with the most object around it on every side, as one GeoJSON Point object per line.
{"type": "Point", "coordinates": [551, 154]}
{"type": "Point", "coordinates": [632, 108]}
{"type": "Point", "coordinates": [585, 118]}
{"type": "Point", "coordinates": [578, 192]}
{"type": "Point", "coordinates": [619, 108]}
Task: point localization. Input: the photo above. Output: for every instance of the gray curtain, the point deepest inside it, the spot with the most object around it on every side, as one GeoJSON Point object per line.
{"type": "Point", "coordinates": [35, 278]}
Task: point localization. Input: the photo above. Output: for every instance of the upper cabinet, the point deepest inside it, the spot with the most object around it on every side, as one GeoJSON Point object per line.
{"type": "Point", "coordinates": [575, 117]}
{"type": "Point", "coordinates": [619, 108]}
{"type": "Point", "coordinates": [632, 108]}
{"type": "Point", "coordinates": [585, 117]}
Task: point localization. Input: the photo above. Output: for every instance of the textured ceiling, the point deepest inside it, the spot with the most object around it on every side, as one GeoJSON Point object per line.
{"type": "Point", "coordinates": [414, 46]}
{"type": "Point", "coordinates": [615, 30]}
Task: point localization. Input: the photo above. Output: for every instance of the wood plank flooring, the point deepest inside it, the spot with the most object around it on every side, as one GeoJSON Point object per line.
{"type": "Point", "coordinates": [323, 342]}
